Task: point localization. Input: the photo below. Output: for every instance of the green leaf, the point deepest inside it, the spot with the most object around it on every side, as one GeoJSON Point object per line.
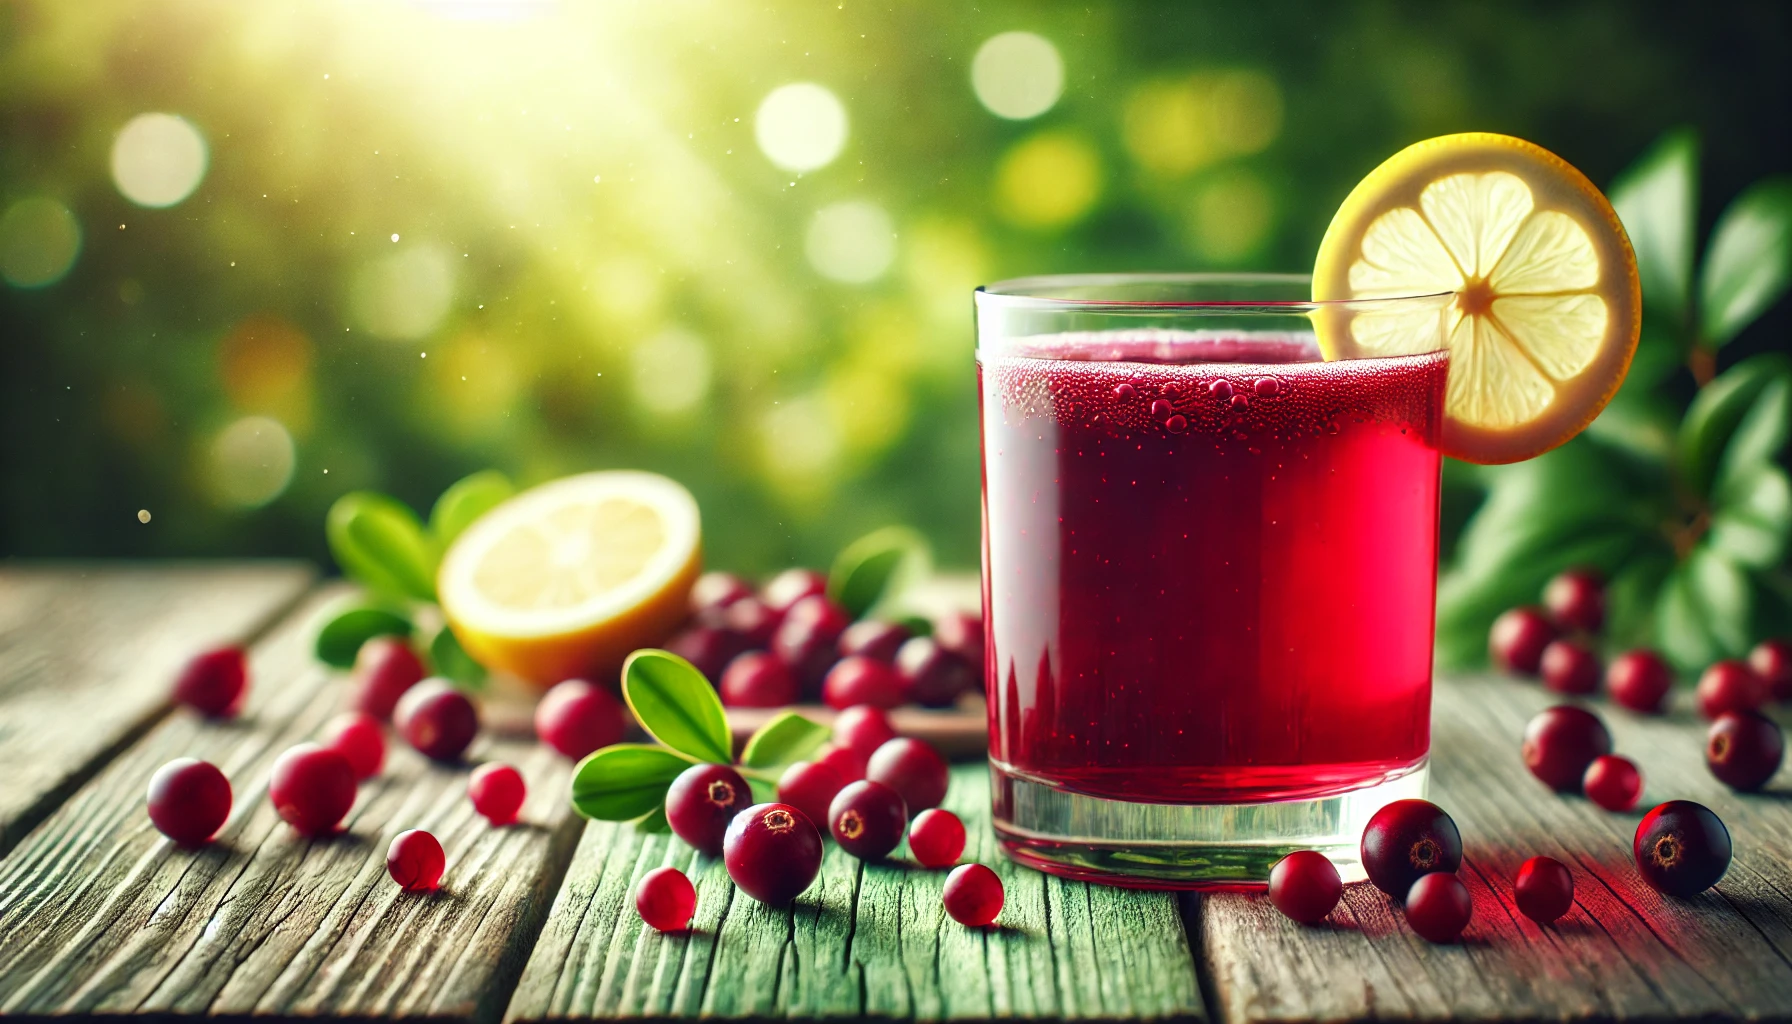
{"type": "Point", "coordinates": [876, 567]}
{"type": "Point", "coordinates": [1716, 413]}
{"type": "Point", "coordinates": [1680, 627]}
{"type": "Point", "coordinates": [1657, 200]}
{"type": "Point", "coordinates": [676, 705]}
{"type": "Point", "coordinates": [765, 792]}
{"type": "Point", "coordinates": [917, 625]}
{"type": "Point", "coordinates": [1706, 611]}
{"type": "Point", "coordinates": [625, 781]}
{"type": "Point", "coordinates": [466, 500]}
{"type": "Point", "coordinates": [1631, 596]}
{"type": "Point", "coordinates": [1753, 518]}
{"type": "Point", "coordinates": [1760, 439]}
{"type": "Point", "coordinates": [654, 822]}
{"type": "Point", "coordinates": [452, 660]}
{"type": "Point", "coordinates": [341, 638]}
{"type": "Point", "coordinates": [1749, 262]}
{"type": "Point", "coordinates": [378, 541]}
{"type": "Point", "coordinates": [1642, 424]}
{"type": "Point", "coordinates": [786, 739]}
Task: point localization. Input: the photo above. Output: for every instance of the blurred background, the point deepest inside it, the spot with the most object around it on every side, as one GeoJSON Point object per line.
{"type": "Point", "coordinates": [256, 255]}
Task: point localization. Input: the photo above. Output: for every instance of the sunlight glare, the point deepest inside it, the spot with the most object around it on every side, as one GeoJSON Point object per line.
{"type": "Point", "coordinates": [158, 160]}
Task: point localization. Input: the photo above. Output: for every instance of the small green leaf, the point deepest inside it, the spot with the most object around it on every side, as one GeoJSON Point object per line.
{"type": "Point", "coordinates": [765, 792]}
{"type": "Point", "coordinates": [625, 781]}
{"type": "Point", "coordinates": [341, 638]}
{"type": "Point", "coordinates": [1760, 438]}
{"type": "Point", "coordinates": [1749, 262]}
{"type": "Point", "coordinates": [1753, 517]}
{"type": "Point", "coordinates": [786, 739]}
{"type": "Point", "coordinates": [1657, 200]}
{"type": "Point", "coordinates": [676, 705]}
{"type": "Point", "coordinates": [452, 660]}
{"type": "Point", "coordinates": [876, 567]}
{"type": "Point", "coordinates": [1680, 627]}
{"type": "Point", "coordinates": [654, 822]}
{"type": "Point", "coordinates": [466, 500]}
{"type": "Point", "coordinates": [1716, 413]}
{"type": "Point", "coordinates": [378, 541]}
{"type": "Point", "coordinates": [1631, 595]}
{"type": "Point", "coordinates": [1706, 611]}
{"type": "Point", "coordinates": [917, 625]}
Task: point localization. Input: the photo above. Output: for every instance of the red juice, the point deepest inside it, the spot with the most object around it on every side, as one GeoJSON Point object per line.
{"type": "Point", "coordinates": [1209, 564]}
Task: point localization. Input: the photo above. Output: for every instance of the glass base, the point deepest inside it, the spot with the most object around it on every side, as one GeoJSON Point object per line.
{"type": "Point", "coordinates": [1183, 846]}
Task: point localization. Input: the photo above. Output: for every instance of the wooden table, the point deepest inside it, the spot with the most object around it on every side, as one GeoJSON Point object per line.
{"type": "Point", "coordinates": [99, 914]}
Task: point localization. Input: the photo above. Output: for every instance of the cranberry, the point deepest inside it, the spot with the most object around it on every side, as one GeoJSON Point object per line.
{"type": "Point", "coordinates": [714, 591]}
{"type": "Point", "coordinates": [312, 788]}
{"type": "Point", "coordinates": [757, 679]}
{"type": "Point", "coordinates": [810, 787]}
{"type": "Point", "coordinates": [936, 838]}
{"type": "Point", "coordinates": [751, 624]}
{"type": "Point", "coordinates": [1407, 839]}
{"type": "Point", "coordinates": [1681, 848]}
{"type": "Point", "coordinates": [1730, 686]}
{"type": "Point", "coordinates": [879, 640]}
{"type": "Point", "coordinates": [867, 819]}
{"type": "Point", "coordinates": [1305, 886]}
{"type": "Point", "coordinates": [189, 800]}
{"type": "Point", "coordinates": [1438, 907]}
{"type": "Point", "coordinates": [665, 899]}
{"type": "Point", "coordinates": [791, 586]}
{"type": "Point", "coordinates": [497, 791]}
{"type": "Point", "coordinates": [415, 860]}
{"type": "Point", "coordinates": [1543, 889]}
{"type": "Point", "coordinates": [808, 637]}
{"type": "Point", "coordinates": [961, 633]}
{"type": "Point", "coordinates": [214, 682]}
{"type": "Point", "coordinates": [437, 719]}
{"type": "Point", "coordinates": [1570, 668]}
{"type": "Point", "coordinates": [1772, 661]}
{"type": "Point", "coordinates": [847, 763]}
{"type": "Point", "coordinates": [911, 767]}
{"type": "Point", "coordinates": [772, 851]}
{"type": "Point", "coordinates": [862, 680]}
{"type": "Point", "coordinates": [1613, 782]}
{"type": "Point", "coordinates": [1744, 749]}
{"type": "Point", "coordinates": [935, 676]}
{"type": "Point", "coordinates": [385, 667]}
{"type": "Point", "coordinates": [1560, 742]}
{"type": "Point", "coordinates": [359, 737]}
{"type": "Point", "coordinates": [863, 728]}
{"type": "Point", "coordinates": [1639, 680]}
{"type": "Point", "coordinates": [707, 648]}
{"type": "Point", "coordinates": [576, 717]}
{"type": "Point", "coordinates": [1517, 640]}
{"type": "Point", "coordinates": [973, 895]}
{"type": "Point", "coordinates": [702, 801]}
{"type": "Point", "coordinates": [1576, 600]}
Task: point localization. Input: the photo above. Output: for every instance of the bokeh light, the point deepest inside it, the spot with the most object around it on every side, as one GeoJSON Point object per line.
{"type": "Point", "coordinates": [799, 443]}
{"type": "Point", "coordinates": [39, 240]}
{"type": "Point", "coordinates": [264, 365]}
{"type": "Point", "coordinates": [1017, 75]}
{"type": "Point", "coordinates": [1231, 218]}
{"type": "Point", "coordinates": [1048, 181]}
{"type": "Point", "coordinates": [404, 295]}
{"type": "Point", "coordinates": [158, 159]}
{"type": "Point", "coordinates": [477, 378]}
{"type": "Point", "coordinates": [1173, 127]}
{"type": "Point", "coordinates": [670, 372]}
{"type": "Point", "coordinates": [801, 126]}
{"type": "Point", "coordinates": [251, 462]}
{"type": "Point", "coordinates": [854, 242]}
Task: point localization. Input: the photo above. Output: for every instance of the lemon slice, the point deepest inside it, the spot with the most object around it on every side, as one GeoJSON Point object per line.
{"type": "Point", "coordinates": [1546, 301]}
{"type": "Point", "coordinates": [566, 579]}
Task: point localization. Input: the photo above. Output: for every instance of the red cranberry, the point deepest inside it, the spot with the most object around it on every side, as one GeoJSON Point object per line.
{"type": "Point", "coordinates": [1517, 639]}
{"type": "Point", "coordinates": [1305, 886]}
{"type": "Point", "coordinates": [189, 800]}
{"type": "Point", "coordinates": [437, 719]}
{"type": "Point", "coordinates": [1570, 668]}
{"type": "Point", "coordinates": [847, 763]}
{"type": "Point", "coordinates": [1438, 907]}
{"type": "Point", "coordinates": [576, 717]}
{"type": "Point", "coordinates": [934, 676]}
{"type": "Point", "coordinates": [1640, 680]}
{"type": "Point", "coordinates": [758, 679]}
{"type": "Point", "coordinates": [415, 861]}
{"type": "Point", "coordinates": [1543, 889]}
{"type": "Point", "coordinates": [1576, 600]}
{"type": "Point", "coordinates": [665, 899]}
{"type": "Point", "coordinates": [791, 586]}
{"type": "Point", "coordinates": [1772, 661]}
{"type": "Point", "coordinates": [867, 819]}
{"type": "Point", "coordinates": [497, 791]}
{"type": "Point", "coordinates": [862, 680]}
{"type": "Point", "coordinates": [707, 648]}
{"type": "Point", "coordinates": [359, 737]}
{"type": "Point", "coordinates": [1744, 749]}
{"type": "Point", "coordinates": [863, 728]}
{"type": "Point", "coordinates": [1560, 742]}
{"type": "Point", "coordinates": [936, 838]}
{"type": "Point", "coordinates": [808, 637]}
{"type": "Point", "coordinates": [702, 801]}
{"type": "Point", "coordinates": [910, 767]}
{"type": "Point", "coordinates": [773, 852]}
{"type": "Point", "coordinates": [1730, 686]}
{"type": "Point", "coordinates": [973, 895]}
{"type": "Point", "coordinates": [714, 591]}
{"type": "Point", "coordinates": [1613, 782]}
{"type": "Point", "coordinates": [214, 682]}
{"type": "Point", "coordinates": [1407, 839]}
{"type": "Point", "coordinates": [1681, 848]}
{"type": "Point", "coordinates": [961, 633]}
{"type": "Point", "coordinates": [385, 667]}
{"type": "Point", "coordinates": [312, 788]}
{"type": "Point", "coordinates": [751, 624]}
{"type": "Point", "coordinates": [810, 787]}
{"type": "Point", "coordinates": [879, 640]}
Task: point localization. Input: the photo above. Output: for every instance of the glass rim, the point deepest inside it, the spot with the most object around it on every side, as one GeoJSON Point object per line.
{"type": "Point", "coordinates": [1023, 293]}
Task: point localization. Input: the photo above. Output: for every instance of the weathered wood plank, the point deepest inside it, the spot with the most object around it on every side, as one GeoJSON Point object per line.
{"type": "Point", "coordinates": [87, 654]}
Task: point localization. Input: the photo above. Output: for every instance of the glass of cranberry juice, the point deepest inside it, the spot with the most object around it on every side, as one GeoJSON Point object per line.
{"type": "Point", "coordinates": [1209, 572]}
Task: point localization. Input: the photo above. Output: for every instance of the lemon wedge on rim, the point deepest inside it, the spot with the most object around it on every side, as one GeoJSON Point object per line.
{"type": "Point", "coordinates": [1546, 305]}
{"type": "Point", "coordinates": [565, 579]}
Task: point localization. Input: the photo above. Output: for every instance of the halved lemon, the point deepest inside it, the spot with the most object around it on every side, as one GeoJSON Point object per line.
{"type": "Point", "coordinates": [566, 579]}
{"type": "Point", "coordinates": [1546, 301]}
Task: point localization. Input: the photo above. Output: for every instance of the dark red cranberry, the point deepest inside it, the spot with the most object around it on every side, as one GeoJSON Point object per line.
{"type": "Point", "coordinates": [1438, 907]}
{"type": "Point", "coordinates": [790, 586]}
{"type": "Point", "coordinates": [1560, 742]}
{"type": "Point", "coordinates": [665, 899]}
{"type": "Point", "coordinates": [913, 768]}
{"type": "Point", "coordinates": [847, 763]}
{"type": "Point", "coordinates": [714, 591]}
{"type": "Point", "coordinates": [935, 676]}
{"type": "Point", "coordinates": [1730, 685]}
{"type": "Point", "coordinates": [1640, 680]}
{"type": "Point", "coordinates": [415, 861]}
{"type": "Point", "coordinates": [437, 719]}
{"type": "Point", "coordinates": [1305, 886]}
{"type": "Point", "coordinates": [1613, 782]}
{"type": "Point", "coordinates": [867, 819]}
{"type": "Point", "coordinates": [189, 800]}
{"type": "Point", "coordinates": [497, 791]}
{"type": "Point", "coordinates": [1517, 639]}
{"type": "Point", "coordinates": [359, 737]}
{"type": "Point", "coordinates": [312, 788]}
{"type": "Point", "coordinates": [1407, 839]}
{"type": "Point", "coordinates": [385, 667]}
{"type": "Point", "coordinates": [810, 787]}
{"type": "Point", "coordinates": [862, 680]}
{"type": "Point", "coordinates": [751, 624]}
{"type": "Point", "coordinates": [1543, 889]}
{"type": "Point", "coordinates": [973, 895]}
{"type": "Point", "coordinates": [773, 852]}
{"type": "Point", "coordinates": [936, 838]}
{"type": "Point", "coordinates": [863, 728]}
{"type": "Point", "coordinates": [707, 648]}
{"type": "Point", "coordinates": [702, 801]}
{"type": "Point", "coordinates": [1570, 668]}
{"type": "Point", "coordinates": [962, 634]}
{"type": "Point", "coordinates": [758, 679]}
{"type": "Point", "coordinates": [879, 640]}
{"type": "Point", "coordinates": [808, 638]}
{"type": "Point", "coordinates": [1681, 848]}
{"type": "Point", "coordinates": [1576, 600]}
{"type": "Point", "coordinates": [1744, 749]}
{"type": "Point", "coordinates": [576, 717]}
{"type": "Point", "coordinates": [1772, 661]}
{"type": "Point", "coordinates": [214, 682]}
